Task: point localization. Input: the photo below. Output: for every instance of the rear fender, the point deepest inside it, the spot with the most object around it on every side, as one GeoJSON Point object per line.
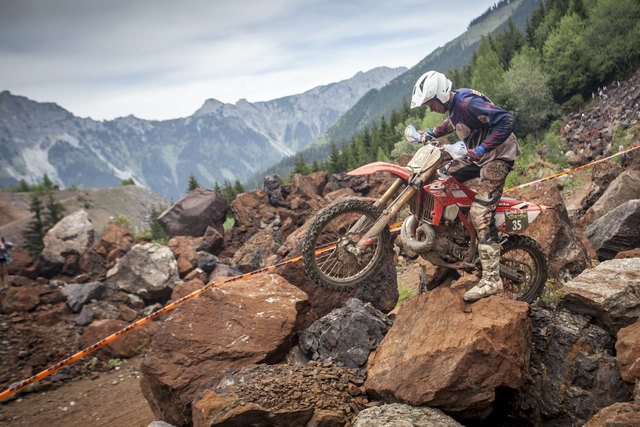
{"type": "Point", "coordinates": [371, 168]}
{"type": "Point", "coordinates": [508, 206]}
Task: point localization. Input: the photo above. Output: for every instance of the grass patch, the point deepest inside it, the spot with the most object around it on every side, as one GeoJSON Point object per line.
{"type": "Point", "coordinates": [404, 293]}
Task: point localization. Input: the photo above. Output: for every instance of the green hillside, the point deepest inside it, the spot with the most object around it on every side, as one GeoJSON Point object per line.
{"type": "Point", "coordinates": [377, 103]}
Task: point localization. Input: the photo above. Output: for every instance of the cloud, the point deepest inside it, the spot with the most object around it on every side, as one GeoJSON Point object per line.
{"type": "Point", "coordinates": [161, 59]}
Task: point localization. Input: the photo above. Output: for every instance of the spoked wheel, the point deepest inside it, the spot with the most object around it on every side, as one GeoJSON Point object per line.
{"type": "Point", "coordinates": [330, 251]}
{"type": "Point", "coordinates": [523, 268]}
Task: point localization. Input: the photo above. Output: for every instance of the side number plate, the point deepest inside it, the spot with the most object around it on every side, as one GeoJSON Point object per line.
{"type": "Point", "coordinates": [516, 222]}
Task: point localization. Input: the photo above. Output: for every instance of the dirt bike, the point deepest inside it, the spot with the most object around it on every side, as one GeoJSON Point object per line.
{"type": "Point", "coordinates": [347, 241]}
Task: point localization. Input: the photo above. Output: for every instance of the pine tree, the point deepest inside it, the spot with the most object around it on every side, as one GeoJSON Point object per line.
{"type": "Point", "coordinates": [193, 183]}
{"type": "Point", "coordinates": [158, 235]}
{"type": "Point", "coordinates": [237, 188]}
{"type": "Point", "coordinates": [55, 212]}
{"type": "Point", "coordinates": [35, 231]}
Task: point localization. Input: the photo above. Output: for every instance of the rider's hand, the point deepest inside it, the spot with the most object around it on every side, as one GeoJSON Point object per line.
{"type": "Point", "coordinates": [475, 153]}
{"type": "Point", "coordinates": [426, 135]}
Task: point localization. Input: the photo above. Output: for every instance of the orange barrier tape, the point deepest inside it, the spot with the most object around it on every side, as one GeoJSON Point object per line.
{"type": "Point", "coordinates": [132, 326]}
{"type": "Point", "coordinates": [572, 170]}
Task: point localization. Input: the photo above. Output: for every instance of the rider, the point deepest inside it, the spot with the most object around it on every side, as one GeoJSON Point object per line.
{"type": "Point", "coordinates": [487, 130]}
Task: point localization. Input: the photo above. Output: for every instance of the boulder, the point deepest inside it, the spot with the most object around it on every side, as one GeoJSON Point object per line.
{"type": "Point", "coordinates": [616, 231]}
{"type": "Point", "coordinates": [445, 353]}
{"type": "Point", "coordinates": [628, 354]}
{"type": "Point", "coordinates": [305, 191]}
{"type": "Point", "coordinates": [222, 271]}
{"type": "Point", "coordinates": [148, 270]}
{"type": "Point", "coordinates": [601, 176]}
{"type": "Point", "coordinates": [573, 371]}
{"type": "Point", "coordinates": [254, 320]}
{"type": "Point", "coordinates": [280, 395]}
{"type": "Point", "coordinates": [206, 261]}
{"type": "Point", "coordinates": [399, 414]}
{"type": "Point", "coordinates": [78, 294]}
{"type": "Point", "coordinates": [66, 242]}
{"type": "Point", "coordinates": [191, 215]}
{"type": "Point", "coordinates": [566, 247]}
{"type": "Point", "coordinates": [346, 335]}
{"type": "Point", "coordinates": [625, 187]}
{"type": "Point", "coordinates": [271, 185]}
{"type": "Point", "coordinates": [619, 414]}
{"type": "Point", "coordinates": [251, 211]}
{"type": "Point", "coordinates": [610, 293]}
{"type": "Point", "coordinates": [184, 250]}
{"type": "Point", "coordinates": [339, 181]}
{"type": "Point", "coordinates": [115, 241]}
{"type": "Point", "coordinates": [133, 343]}
{"type": "Point", "coordinates": [258, 252]}
{"type": "Point", "coordinates": [20, 299]}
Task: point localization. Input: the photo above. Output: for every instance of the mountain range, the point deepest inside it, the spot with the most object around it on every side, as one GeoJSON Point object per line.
{"type": "Point", "coordinates": [218, 142]}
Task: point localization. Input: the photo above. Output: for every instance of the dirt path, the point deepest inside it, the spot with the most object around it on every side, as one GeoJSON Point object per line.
{"type": "Point", "coordinates": [112, 399]}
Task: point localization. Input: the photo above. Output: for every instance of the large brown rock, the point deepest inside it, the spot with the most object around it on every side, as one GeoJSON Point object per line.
{"type": "Point", "coordinates": [191, 215]}
{"type": "Point", "coordinates": [258, 252]}
{"type": "Point", "coordinates": [624, 414]}
{"type": "Point", "coordinates": [610, 293]}
{"type": "Point", "coordinates": [20, 299]}
{"type": "Point", "coordinates": [628, 354]}
{"type": "Point", "coordinates": [444, 353]}
{"type": "Point", "coordinates": [115, 237]}
{"type": "Point", "coordinates": [566, 246]}
{"type": "Point", "coordinates": [184, 250]}
{"type": "Point", "coordinates": [249, 321]}
{"type": "Point", "coordinates": [131, 344]}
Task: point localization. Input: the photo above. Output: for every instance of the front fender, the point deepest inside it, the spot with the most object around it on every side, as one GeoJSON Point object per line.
{"type": "Point", "coordinates": [371, 168]}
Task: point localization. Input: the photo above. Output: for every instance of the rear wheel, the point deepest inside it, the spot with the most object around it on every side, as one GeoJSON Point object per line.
{"type": "Point", "coordinates": [330, 251]}
{"type": "Point", "coordinates": [526, 268]}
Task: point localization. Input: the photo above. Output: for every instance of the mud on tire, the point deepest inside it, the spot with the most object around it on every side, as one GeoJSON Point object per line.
{"type": "Point", "coordinates": [329, 245]}
{"type": "Point", "coordinates": [525, 255]}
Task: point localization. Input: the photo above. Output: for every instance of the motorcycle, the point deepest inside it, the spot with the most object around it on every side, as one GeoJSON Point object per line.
{"type": "Point", "coordinates": [347, 240]}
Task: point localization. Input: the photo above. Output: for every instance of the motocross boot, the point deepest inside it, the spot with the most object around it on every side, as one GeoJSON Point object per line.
{"type": "Point", "coordinates": [490, 283]}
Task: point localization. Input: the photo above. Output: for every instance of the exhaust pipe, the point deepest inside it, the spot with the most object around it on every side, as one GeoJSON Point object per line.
{"type": "Point", "coordinates": [417, 239]}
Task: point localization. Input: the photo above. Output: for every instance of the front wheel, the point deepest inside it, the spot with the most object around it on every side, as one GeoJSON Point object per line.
{"type": "Point", "coordinates": [525, 274]}
{"type": "Point", "coordinates": [330, 252]}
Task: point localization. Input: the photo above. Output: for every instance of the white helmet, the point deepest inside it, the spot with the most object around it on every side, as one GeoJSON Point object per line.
{"type": "Point", "coordinates": [431, 85]}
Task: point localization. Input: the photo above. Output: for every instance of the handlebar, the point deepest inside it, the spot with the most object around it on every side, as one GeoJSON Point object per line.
{"type": "Point", "coordinates": [412, 135]}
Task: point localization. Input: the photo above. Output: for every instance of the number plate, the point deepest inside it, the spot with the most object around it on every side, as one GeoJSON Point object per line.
{"type": "Point", "coordinates": [516, 222]}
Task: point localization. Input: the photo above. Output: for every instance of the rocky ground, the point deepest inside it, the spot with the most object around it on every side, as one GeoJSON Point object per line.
{"type": "Point", "coordinates": [108, 398]}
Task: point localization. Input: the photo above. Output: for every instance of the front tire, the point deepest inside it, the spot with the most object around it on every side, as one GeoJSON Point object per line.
{"type": "Point", "coordinates": [525, 256]}
{"type": "Point", "coordinates": [330, 253]}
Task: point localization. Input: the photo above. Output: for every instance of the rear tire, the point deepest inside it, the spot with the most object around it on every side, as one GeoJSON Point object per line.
{"type": "Point", "coordinates": [331, 256]}
{"type": "Point", "coordinates": [524, 255]}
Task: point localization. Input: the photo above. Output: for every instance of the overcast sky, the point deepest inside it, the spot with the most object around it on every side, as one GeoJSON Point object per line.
{"type": "Point", "coordinates": [161, 59]}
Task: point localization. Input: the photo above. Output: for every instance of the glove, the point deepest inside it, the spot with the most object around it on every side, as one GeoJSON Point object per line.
{"type": "Point", "coordinates": [426, 135]}
{"type": "Point", "coordinates": [475, 153]}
